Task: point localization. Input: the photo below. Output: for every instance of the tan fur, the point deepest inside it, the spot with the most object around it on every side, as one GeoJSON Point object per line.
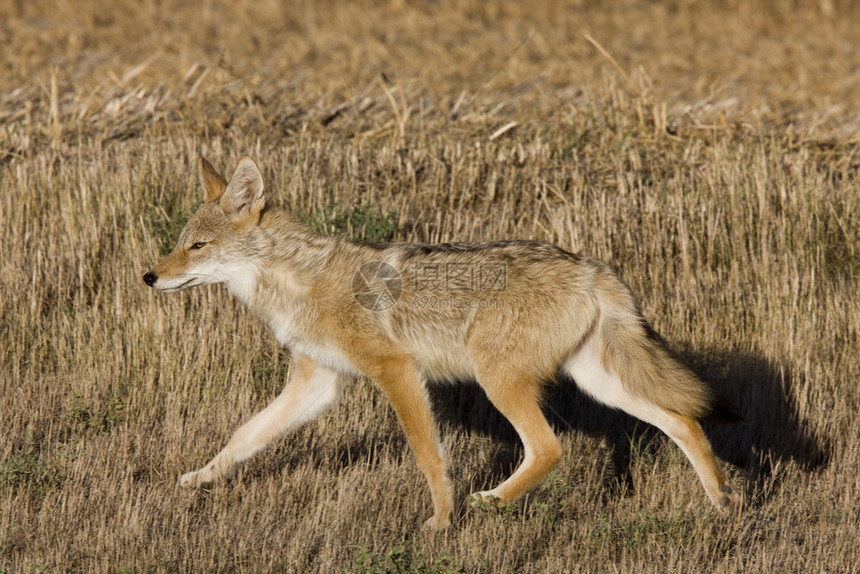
{"type": "Point", "coordinates": [551, 312]}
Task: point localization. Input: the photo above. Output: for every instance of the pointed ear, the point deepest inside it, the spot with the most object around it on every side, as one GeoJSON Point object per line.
{"type": "Point", "coordinates": [243, 199]}
{"type": "Point", "coordinates": [211, 181]}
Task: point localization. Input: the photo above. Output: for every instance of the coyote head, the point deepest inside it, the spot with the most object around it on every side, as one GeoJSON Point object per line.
{"type": "Point", "coordinates": [214, 245]}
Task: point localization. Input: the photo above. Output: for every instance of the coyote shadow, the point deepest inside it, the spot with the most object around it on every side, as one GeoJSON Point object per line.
{"type": "Point", "coordinates": [761, 391]}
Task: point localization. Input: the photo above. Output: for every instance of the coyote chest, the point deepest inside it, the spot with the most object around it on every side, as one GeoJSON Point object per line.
{"type": "Point", "coordinates": [282, 302]}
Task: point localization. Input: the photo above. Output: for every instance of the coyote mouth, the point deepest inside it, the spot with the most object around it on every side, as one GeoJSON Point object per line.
{"type": "Point", "coordinates": [190, 283]}
{"type": "Point", "coordinates": [182, 286]}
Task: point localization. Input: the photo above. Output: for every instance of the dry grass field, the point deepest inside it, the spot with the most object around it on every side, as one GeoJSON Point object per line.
{"type": "Point", "coordinates": [710, 150]}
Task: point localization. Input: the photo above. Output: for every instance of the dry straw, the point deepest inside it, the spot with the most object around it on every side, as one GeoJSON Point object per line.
{"type": "Point", "coordinates": [709, 152]}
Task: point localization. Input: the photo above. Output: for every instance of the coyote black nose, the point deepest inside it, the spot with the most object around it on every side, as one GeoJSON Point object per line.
{"type": "Point", "coordinates": [150, 279]}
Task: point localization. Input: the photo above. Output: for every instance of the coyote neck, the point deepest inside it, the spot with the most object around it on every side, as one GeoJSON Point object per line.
{"type": "Point", "coordinates": [286, 245]}
{"type": "Point", "coordinates": [288, 259]}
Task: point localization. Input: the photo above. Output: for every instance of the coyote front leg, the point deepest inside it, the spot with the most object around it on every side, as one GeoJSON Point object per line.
{"type": "Point", "coordinates": [310, 390]}
{"type": "Point", "coordinates": [401, 382]}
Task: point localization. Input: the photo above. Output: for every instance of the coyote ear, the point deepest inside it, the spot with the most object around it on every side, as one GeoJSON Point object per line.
{"type": "Point", "coordinates": [243, 199]}
{"type": "Point", "coordinates": [211, 181]}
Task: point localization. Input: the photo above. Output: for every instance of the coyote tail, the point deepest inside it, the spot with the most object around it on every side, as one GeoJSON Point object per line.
{"type": "Point", "coordinates": [630, 348]}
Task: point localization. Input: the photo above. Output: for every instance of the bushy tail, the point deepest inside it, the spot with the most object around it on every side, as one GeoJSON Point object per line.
{"type": "Point", "coordinates": [630, 348]}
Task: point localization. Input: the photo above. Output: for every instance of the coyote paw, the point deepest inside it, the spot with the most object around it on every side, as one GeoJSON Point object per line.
{"type": "Point", "coordinates": [197, 478]}
{"type": "Point", "coordinates": [730, 502]}
{"type": "Point", "coordinates": [482, 499]}
{"type": "Point", "coordinates": [489, 502]}
{"type": "Point", "coordinates": [436, 522]}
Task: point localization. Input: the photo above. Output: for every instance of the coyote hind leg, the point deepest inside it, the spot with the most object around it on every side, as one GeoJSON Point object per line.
{"type": "Point", "coordinates": [587, 370]}
{"type": "Point", "coordinates": [310, 390]}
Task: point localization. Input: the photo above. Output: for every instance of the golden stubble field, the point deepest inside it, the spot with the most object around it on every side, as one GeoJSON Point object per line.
{"type": "Point", "coordinates": [709, 150]}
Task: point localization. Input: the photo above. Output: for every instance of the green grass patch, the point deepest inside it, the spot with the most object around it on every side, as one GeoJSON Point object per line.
{"type": "Point", "coordinates": [27, 470]}
{"type": "Point", "coordinates": [404, 558]}
{"type": "Point", "coordinates": [362, 222]}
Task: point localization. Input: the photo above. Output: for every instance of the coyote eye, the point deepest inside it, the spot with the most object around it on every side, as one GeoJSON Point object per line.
{"type": "Point", "coordinates": [198, 245]}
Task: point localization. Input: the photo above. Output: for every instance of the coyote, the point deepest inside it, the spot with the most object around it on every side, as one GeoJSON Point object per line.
{"type": "Point", "coordinates": [512, 315]}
